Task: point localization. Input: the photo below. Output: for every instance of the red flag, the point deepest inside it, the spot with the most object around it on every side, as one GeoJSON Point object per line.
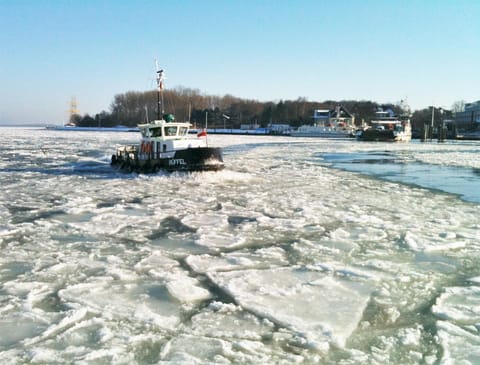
{"type": "Point", "coordinates": [202, 133]}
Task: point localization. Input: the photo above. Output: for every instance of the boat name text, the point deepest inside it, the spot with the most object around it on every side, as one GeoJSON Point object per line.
{"type": "Point", "coordinates": [176, 161]}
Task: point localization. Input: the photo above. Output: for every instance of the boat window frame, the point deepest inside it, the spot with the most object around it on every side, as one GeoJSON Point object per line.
{"type": "Point", "coordinates": [168, 129]}
{"type": "Point", "coordinates": [155, 132]}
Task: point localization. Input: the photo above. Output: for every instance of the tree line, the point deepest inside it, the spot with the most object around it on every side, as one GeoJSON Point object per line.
{"type": "Point", "coordinates": [133, 107]}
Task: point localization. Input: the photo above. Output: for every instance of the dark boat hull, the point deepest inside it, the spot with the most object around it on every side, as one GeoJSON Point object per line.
{"type": "Point", "coordinates": [190, 159]}
{"type": "Point", "coordinates": [376, 135]}
{"type": "Point", "coordinates": [373, 135]}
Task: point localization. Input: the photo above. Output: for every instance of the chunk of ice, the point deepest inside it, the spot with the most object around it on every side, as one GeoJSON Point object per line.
{"type": "Point", "coordinates": [322, 308]}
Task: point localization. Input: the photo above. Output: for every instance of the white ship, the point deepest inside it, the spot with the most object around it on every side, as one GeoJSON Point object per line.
{"type": "Point", "coordinates": [336, 123]}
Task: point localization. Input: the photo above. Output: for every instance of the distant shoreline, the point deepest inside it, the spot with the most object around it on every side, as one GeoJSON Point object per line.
{"type": "Point", "coordinates": [93, 129]}
{"type": "Point", "coordinates": [23, 125]}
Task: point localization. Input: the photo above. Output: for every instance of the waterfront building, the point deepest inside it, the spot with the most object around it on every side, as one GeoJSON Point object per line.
{"type": "Point", "coordinates": [469, 119]}
{"type": "Point", "coordinates": [338, 115]}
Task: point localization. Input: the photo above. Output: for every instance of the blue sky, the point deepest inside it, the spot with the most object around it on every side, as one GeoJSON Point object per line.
{"type": "Point", "coordinates": [427, 52]}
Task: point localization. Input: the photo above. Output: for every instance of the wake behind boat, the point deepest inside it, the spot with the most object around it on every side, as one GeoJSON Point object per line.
{"type": "Point", "coordinates": [167, 145]}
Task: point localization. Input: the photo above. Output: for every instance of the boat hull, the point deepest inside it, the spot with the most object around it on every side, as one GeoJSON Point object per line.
{"type": "Point", "coordinates": [322, 134]}
{"type": "Point", "coordinates": [190, 160]}
{"type": "Point", "coordinates": [373, 135]}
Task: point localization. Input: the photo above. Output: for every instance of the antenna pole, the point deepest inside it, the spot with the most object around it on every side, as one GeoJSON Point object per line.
{"type": "Point", "coordinates": [206, 127]}
{"type": "Point", "coordinates": [158, 104]}
{"type": "Point", "coordinates": [160, 78]}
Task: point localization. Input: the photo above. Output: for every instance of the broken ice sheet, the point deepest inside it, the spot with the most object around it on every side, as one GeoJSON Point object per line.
{"type": "Point", "coordinates": [324, 309]}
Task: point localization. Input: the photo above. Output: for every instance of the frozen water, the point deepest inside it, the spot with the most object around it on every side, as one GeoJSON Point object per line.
{"type": "Point", "coordinates": [300, 251]}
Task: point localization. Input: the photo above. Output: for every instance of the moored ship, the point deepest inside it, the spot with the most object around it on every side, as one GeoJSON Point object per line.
{"type": "Point", "coordinates": [335, 123]}
{"type": "Point", "coordinates": [387, 127]}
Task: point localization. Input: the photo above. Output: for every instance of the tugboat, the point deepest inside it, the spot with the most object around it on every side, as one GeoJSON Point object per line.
{"type": "Point", "coordinates": [167, 145]}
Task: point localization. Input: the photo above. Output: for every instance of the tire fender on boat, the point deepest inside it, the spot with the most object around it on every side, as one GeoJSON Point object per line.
{"type": "Point", "coordinates": [146, 147]}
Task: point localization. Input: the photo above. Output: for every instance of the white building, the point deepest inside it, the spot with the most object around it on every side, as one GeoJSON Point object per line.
{"type": "Point", "coordinates": [338, 116]}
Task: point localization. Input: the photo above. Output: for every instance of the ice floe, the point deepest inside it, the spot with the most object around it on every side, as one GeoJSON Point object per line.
{"type": "Point", "coordinates": [322, 308]}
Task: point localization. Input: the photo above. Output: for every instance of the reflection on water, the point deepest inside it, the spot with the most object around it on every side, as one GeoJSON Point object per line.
{"type": "Point", "coordinates": [462, 181]}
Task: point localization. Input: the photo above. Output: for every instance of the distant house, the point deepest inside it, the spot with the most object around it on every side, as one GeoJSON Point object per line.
{"type": "Point", "coordinates": [469, 119]}
{"type": "Point", "coordinates": [321, 116]}
{"type": "Point", "coordinates": [338, 115]}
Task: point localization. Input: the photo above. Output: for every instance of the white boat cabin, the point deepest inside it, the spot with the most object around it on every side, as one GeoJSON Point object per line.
{"type": "Point", "coordinates": [387, 120]}
{"type": "Point", "coordinates": [161, 138]}
{"type": "Point", "coordinates": [163, 130]}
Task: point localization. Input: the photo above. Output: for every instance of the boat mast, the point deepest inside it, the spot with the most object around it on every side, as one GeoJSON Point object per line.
{"type": "Point", "coordinates": [160, 78]}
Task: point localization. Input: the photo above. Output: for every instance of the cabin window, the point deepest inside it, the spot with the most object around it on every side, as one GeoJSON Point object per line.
{"type": "Point", "coordinates": [164, 148]}
{"type": "Point", "coordinates": [183, 131]}
{"type": "Point", "coordinates": [156, 132]}
{"type": "Point", "coordinates": [170, 131]}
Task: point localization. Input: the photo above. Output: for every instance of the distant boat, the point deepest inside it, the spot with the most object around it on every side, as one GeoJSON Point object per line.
{"type": "Point", "coordinates": [167, 145]}
{"type": "Point", "coordinates": [336, 123]}
{"type": "Point", "coordinates": [387, 127]}
{"type": "Point", "coordinates": [323, 131]}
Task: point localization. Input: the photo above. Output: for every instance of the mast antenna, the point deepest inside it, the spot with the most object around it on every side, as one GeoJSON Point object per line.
{"type": "Point", "coordinates": [160, 78]}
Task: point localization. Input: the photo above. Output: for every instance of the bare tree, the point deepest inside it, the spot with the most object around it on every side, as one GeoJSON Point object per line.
{"type": "Point", "coordinates": [458, 106]}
